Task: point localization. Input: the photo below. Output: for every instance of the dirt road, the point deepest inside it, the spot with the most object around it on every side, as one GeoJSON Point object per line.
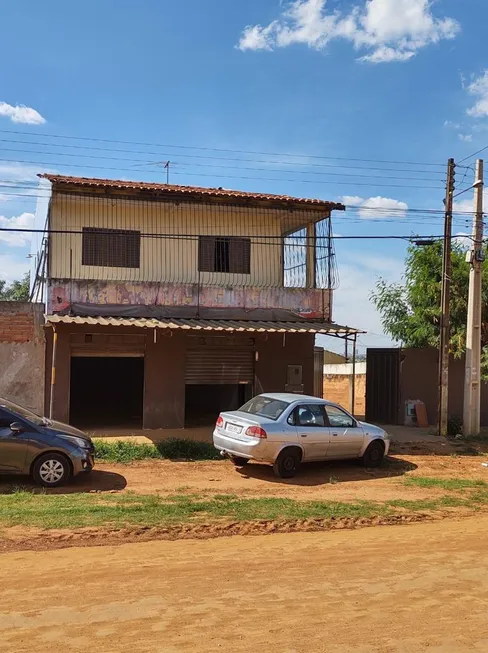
{"type": "Point", "coordinates": [385, 590]}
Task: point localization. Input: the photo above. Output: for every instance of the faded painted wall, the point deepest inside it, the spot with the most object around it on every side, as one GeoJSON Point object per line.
{"type": "Point", "coordinates": [22, 354]}
{"type": "Point", "coordinates": [307, 302]}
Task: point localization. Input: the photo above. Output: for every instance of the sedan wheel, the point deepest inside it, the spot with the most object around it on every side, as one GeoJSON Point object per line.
{"type": "Point", "coordinates": [374, 454]}
{"type": "Point", "coordinates": [51, 470]}
{"type": "Point", "coordinates": [287, 463]}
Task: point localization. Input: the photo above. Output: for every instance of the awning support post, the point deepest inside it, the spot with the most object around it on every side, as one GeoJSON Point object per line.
{"type": "Point", "coordinates": [353, 389]}
{"type": "Point", "coordinates": [53, 372]}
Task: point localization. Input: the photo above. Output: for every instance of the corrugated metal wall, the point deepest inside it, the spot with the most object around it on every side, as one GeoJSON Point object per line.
{"type": "Point", "coordinates": [208, 366]}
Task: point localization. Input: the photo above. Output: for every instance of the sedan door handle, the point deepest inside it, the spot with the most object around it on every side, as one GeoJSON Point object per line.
{"type": "Point", "coordinates": [335, 434]}
{"type": "Point", "coordinates": [303, 435]}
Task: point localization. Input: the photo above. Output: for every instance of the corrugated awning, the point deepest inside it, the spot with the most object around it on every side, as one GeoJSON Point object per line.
{"type": "Point", "coordinates": [208, 325]}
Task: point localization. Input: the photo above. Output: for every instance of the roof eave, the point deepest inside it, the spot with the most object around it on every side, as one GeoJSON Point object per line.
{"type": "Point", "coordinates": [277, 201]}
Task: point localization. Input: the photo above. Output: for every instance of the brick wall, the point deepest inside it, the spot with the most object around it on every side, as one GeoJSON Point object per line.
{"type": "Point", "coordinates": [337, 388]}
{"type": "Point", "coordinates": [22, 353]}
{"type": "Point", "coordinates": [18, 322]}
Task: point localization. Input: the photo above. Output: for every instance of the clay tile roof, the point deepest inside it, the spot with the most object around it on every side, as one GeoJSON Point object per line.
{"type": "Point", "coordinates": [196, 192]}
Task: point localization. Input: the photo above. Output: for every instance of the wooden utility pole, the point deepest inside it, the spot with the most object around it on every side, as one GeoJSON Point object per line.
{"type": "Point", "coordinates": [445, 321]}
{"type": "Point", "coordinates": [472, 378]}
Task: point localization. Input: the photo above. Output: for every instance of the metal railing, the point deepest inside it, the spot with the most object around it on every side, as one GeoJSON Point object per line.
{"type": "Point", "coordinates": [124, 239]}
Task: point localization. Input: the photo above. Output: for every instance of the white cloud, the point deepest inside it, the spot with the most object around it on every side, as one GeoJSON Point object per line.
{"type": "Point", "coordinates": [19, 172]}
{"type": "Point", "coordinates": [390, 30]}
{"type": "Point", "coordinates": [257, 38]}
{"type": "Point", "coordinates": [377, 207]}
{"type": "Point", "coordinates": [16, 238]}
{"type": "Point", "coordinates": [18, 179]}
{"type": "Point", "coordinates": [451, 124]}
{"type": "Point", "coordinates": [466, 205]}
{"type": "Point", "coordinates": [464, 239]}
{"type": "Point", "coordinates": [21, 114]}
{"type": "Point", "coordinates": [12, 268]}
{"type": "Point", "coordinates": [479, 88]}
{"type": "Point", "coordinates": [385, 54]}
{"type": "Point", "coordinates": [352, 304]}
{"type": "Point", "coordinates": [467, 138]}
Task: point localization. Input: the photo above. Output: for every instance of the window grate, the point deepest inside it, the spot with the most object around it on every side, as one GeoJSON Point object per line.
{"type": "Point", "coordinates": [224, 254]}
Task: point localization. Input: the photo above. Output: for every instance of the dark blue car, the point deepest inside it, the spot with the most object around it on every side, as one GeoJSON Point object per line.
{"type": "Point", "coordinates": [50, 452]}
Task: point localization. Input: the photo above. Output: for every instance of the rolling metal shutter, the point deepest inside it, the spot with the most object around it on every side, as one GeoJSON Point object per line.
{"type": "Point", "coordinates": [207, 366]}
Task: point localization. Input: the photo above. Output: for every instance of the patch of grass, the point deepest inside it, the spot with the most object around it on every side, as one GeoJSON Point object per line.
{"type": "Point", "coordinates": [429, 504]}
{"type": "Point", "coordinates": [26, 508]}
{"type": "Point", "coordinates": [177, 448]}
{"type": "Point", "coordinates": [123, 451]}
{"type": "Point", "coordinates": [78, 510]}
{"type": "Point", "coordinates": [450, 484]}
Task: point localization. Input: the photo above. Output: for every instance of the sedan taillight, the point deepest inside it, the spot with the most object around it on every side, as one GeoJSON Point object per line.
{"type": "Point", "coordinates": [256, 432]}
{"type": "Point", "coordinates": [220, 422]}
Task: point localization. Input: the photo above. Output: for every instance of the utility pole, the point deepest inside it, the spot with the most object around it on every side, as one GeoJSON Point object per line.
{"type": "Point", "coordinates": [445, 322]}
{"type": "Point", "coordinates": [472, 378]}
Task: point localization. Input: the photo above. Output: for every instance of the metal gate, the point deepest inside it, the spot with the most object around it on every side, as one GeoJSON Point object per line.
{"type": "Point", "coordinates": [318, 372]}
{"type": "Point", "coordinates": [383, 385]}
{"type": "Point", "coordinates": [217, 366]}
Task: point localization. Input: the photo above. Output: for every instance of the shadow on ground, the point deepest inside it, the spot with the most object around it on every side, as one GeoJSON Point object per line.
{"type": "Point", "coordinates": [97, 481]}
{"type": "Point", "coordinates": [331, 472]}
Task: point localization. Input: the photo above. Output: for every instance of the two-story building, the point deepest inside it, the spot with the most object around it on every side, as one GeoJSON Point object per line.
{"type": "Point", "coordinates": [166, 304]}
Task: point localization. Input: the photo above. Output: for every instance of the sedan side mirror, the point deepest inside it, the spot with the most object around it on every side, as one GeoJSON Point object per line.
{"type": "Point", "coordinates": [16, 427]}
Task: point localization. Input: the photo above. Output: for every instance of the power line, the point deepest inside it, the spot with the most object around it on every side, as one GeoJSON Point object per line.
{"type": "Point", "coordinates": [214, 149]}
{"type": "Point", "coordinates": [218, 158]}
{"type": "Point", "coordinates": [474, 154]}
{"type": "Point", "coordinates": [196, 236]}
{"type": "Point", "coordinates": [198, 174]}
{"type": "Point", "coordinates": [31, 185]}
{"type": "Point", "coordinates": [409, 211]}
{"type": "Point", "coordinates": [226, 167]}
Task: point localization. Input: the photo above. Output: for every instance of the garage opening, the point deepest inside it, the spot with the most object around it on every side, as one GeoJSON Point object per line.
{"type": "Point", "coordinates": [107, 391]}
{"type": "Point", "coordinates": [203, 402]}
{"type": "Point", "coordinates": [217, 379]}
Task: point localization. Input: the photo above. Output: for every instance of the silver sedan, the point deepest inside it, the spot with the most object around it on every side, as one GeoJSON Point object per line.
{"type": "Point", "coordinates": [287, 429]}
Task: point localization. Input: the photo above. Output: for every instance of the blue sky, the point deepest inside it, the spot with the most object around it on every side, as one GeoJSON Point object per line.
{"type": "Point", "coordinates": [388, 80]}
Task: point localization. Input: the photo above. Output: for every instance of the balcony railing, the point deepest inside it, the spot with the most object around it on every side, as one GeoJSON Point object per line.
{"type": "Point", "coordinates": [123, 250]}
{"type": "Point", "coordinates": [126, 239]}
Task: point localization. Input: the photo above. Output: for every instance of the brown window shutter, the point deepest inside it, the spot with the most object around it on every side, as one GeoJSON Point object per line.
{"type": "Point", "coordinates": [114, 248]}
{"type": "Point", "coordinates": [206, 253]}
{"type": "Point", "coordinates": [240, 255]}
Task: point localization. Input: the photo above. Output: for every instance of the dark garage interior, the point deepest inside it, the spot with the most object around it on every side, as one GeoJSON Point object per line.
{"type": "Point", "coordinates": [107, 391]}
{"type": "Point", "coordinates": [203, 402]}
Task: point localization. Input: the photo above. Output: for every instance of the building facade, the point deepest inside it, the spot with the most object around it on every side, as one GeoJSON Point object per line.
{"type": "Point", "coordinates": [166, 304]}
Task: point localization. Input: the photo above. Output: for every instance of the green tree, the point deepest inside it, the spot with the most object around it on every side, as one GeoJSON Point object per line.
{"type": "Point", "coordinates": [18, 291]}
{"type": "Point", "coordinates": [410, 311]}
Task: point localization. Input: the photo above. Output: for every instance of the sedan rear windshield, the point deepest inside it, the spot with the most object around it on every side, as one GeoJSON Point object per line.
{"type": "Point", "coordinates": [265, 407]}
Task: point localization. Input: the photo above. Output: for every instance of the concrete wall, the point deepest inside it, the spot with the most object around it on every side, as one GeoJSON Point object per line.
{"type": "Point", "coordinates": [22, 353]}
{"type": "Point", "coordinates": [310, 303]}
{"type": "Point", "coordinates": [173, 258]}
{"type": "Point", "coordinates": [331, 358]}
{"type": "Point", "coordinates": [338, 387]}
